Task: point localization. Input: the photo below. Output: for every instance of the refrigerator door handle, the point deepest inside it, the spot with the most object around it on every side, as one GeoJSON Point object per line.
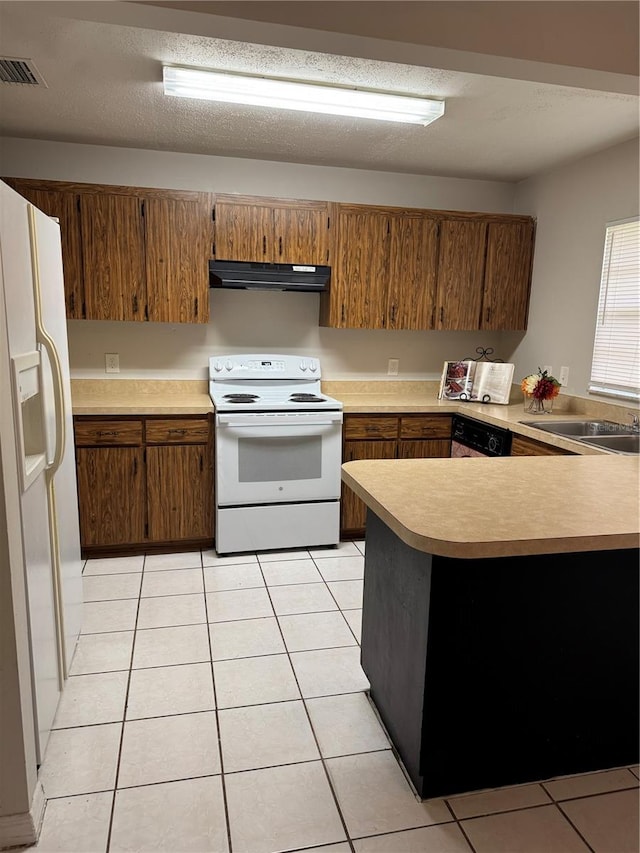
{"type": "Point", "coordinates": [47, 343]}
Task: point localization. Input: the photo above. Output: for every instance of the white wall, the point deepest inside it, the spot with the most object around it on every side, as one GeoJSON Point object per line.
{"type": "Point", "coordinates": [268, 322]}
{"type": "Point", "coordinates": [573, 205]}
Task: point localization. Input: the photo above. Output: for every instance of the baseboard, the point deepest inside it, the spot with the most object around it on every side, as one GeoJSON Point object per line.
{"type": "Point", "coordinates": [23, 829]}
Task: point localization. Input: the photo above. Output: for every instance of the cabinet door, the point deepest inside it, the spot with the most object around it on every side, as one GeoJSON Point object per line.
{"type": "Point", "coordinates": [460, 274]}
{"type": "Point", "coordinates": [353, 512]}
{"type": "Point", "coordinates": [358, 298]}
{"type": "Point", "coordinates": [64, 207]}
{"type": "Point", "coordinates": [114, 257]}
{"type": "Point", "coordinates": [301, 234]}
{"type": "Point", "coordinates": [178, 245]}
{"type": "Point", "coordinates": [179, 492]}
{"type": "Point", "coordinates": [507, 275]}
{"type": "Point", "coordinates": [413, 262]}
{"type": "Point", "coordinates": [110, 495]}
{"type": "Point", "coordinates": [244, 232]}
{"type": "Point", "coordinates": [421, 449]}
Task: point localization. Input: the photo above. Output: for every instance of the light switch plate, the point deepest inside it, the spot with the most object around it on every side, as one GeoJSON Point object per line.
{"type": "Point", "coordinates": [564, 376]}
{"type": "Point", "coordinates": [393, 367]}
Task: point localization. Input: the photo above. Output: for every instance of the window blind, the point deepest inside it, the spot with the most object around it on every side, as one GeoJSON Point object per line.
{"type": "Point", "coordinates": [615, 370]}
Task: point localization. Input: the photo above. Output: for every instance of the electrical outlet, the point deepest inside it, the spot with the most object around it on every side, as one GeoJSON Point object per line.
{"type": "Point", "coordinates": [111, 362]}
{"type": "Point", "coordinates": [393, 367]}
{"type": "Point", "coordinates": [548, 368]}
{"type": "Point", "coordinates": [564, 376]}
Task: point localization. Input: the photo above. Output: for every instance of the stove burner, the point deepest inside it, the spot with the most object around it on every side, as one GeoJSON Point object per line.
{"type": "Point", "coordinates": [306, 398]}
{"type": "Point", "coordinates": [241, 398]}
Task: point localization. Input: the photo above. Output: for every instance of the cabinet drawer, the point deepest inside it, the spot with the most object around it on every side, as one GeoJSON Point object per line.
{"type": "Point", "coordinates": [523, 446]}
{"type": "Point", "coordinates": [375, 427]}
{"type": "Point", "coordinates": [107, 433]}
{"type": "Point", "coordinates": [178, 431]}
{"type": "Point", "coordinates": [425, 426]}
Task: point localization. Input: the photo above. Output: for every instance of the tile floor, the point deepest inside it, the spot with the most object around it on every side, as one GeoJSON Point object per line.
{"type": "Point", "coordinates": [218, 704]}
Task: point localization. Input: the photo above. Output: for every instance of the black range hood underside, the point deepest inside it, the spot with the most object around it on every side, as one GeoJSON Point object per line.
{"type": "Point", "coordinates": [244, 275]}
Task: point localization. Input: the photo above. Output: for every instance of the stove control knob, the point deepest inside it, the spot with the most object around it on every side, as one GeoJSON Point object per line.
{"type": "Point", "coordinates": [229, 365]}
{"type": "Point", "coordinates": [313, 366]}
{"type": "Point", "coordinates": [303, 365]}
{"type": "Point", "coordinates": [217, 366]}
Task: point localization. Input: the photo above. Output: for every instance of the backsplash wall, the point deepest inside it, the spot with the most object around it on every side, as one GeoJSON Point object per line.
{"type": "Point", "coordinates": [254, 321]}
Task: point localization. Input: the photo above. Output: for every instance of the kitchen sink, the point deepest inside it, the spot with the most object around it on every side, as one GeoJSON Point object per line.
{"type": "Point", "coordinates": [580, 429]}
{"type": "Point", "coordinates": [618, 443]}
{"type": "Point", "coordinates": [609, 435]}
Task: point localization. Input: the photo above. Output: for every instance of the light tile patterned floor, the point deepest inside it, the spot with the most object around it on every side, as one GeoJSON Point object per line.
{"type": "Point", "coordinates": [217, 705]}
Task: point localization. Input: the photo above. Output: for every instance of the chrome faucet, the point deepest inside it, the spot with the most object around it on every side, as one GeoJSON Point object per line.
{"type": "Point", "coordinates": [635, 422]}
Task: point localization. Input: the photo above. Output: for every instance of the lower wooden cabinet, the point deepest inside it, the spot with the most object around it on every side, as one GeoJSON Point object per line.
{"type": "Point", "coordinates": [353, 510]}
{"type": "Point", "coordinates": [111, 488]}
{"type": "Point", "coordinates": [388, 437]}
{"type": "Point", "coordinates": [522, 446]}
{"type": "Point", "coordinates": [153, 495]}
{"type": "Point", "coordinates": [179, 493]}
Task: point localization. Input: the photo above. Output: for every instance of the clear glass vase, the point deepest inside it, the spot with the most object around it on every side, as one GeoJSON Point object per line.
{"type": "Point", "coordinates": [535, 406]}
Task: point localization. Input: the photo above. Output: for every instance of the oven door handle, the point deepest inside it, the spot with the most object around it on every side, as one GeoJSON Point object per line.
{"type": "Point", "coordinates": [278, 421]}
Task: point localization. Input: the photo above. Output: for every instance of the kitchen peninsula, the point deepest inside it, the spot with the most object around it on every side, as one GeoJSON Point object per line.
{"type": "Point", "coordinates": [500, 615]}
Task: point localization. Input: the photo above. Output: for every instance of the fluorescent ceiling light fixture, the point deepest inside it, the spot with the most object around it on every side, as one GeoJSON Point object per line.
{"type": "Point", "coordinates": [279, 93]}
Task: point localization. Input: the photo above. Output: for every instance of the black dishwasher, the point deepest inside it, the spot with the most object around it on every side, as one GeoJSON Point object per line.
{"type": "Point", "coordinates": [475, 438]}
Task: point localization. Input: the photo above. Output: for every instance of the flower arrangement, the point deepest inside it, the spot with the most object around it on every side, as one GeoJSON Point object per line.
{"type": "Point", "coordinates": [539, 390]}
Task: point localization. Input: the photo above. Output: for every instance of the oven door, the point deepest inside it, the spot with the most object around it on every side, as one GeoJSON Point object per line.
{"type": "Point", "coordinates": [278, 457]}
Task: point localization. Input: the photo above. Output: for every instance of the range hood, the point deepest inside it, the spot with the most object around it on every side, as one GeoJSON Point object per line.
{"type": "Point", "coordinates": [244, 275]}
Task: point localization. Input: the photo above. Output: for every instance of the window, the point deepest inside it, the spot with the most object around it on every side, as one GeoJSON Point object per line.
{"type": "Point", "coordinates": [615, 371]}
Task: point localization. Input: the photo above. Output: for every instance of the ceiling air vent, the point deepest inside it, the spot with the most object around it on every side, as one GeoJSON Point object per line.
{"type": "Point", "coordinates": [13, 70]}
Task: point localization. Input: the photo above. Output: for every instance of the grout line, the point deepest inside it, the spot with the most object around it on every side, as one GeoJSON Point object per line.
{"type": "Point", "coordinates": [315, 738]}
{"type": "Point", "coordinates": [573, 826]}
{"type": "Point", "coordinates": [617, 790]}
{"type": "Point", "coordinates": [124, 714]}
{"type": "Point", "coordinates": [217, 713]}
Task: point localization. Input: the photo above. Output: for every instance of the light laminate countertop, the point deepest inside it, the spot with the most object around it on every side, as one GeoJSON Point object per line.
{"type": "Point", "coordinates": [140, 397]}
{"type": "Point", "coordinates": [510, 506]}
{"type": "Point", "coordinates": [183, 397]}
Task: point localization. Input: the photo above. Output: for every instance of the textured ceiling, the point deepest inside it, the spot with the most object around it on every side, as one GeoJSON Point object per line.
{"type": "Point", "coordinates": [104, 87]}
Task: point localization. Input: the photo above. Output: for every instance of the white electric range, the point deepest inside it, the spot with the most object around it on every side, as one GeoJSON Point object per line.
{"type": "Point", "coordinates": [278, 453]}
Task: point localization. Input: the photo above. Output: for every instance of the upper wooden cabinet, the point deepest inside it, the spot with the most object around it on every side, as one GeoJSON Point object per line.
{"type": "Point", "coordinates": [507, 276]}
{"type": "Point", "coordinates": [271, 230]}
{"type": "Point", "coordinates": [460, 274]}
{"type": "Point", "coordinates": [130, 253]}
{"type": "Point", "coordinates": [63, 205]}
{"type": "Point", "coordinates": [113, 253]}
{"type": "Point", "coordinates": [396, 268]}
{"type": "Point", "coordinates": [384, 270]}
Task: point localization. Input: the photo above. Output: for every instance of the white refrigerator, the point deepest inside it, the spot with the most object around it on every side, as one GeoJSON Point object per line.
{"type": "Point", "coordinates": [37, 424]}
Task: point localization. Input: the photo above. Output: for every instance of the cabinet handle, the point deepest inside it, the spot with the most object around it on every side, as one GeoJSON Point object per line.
{"type": "Point", "coordinates": [393, 313]}
{"type": "Point", "coordinates": [264, 245]}
{"type": "Point", "coordinates": [135, 303]}
{"type": "Point", "coordinates": [343, 312]}
{"type": "Point", "coordinates": [195, 306]}
{"type": "Point", "coordinates": [280, 244]}
{"type": "Point", "coordinates": [72, 303]}
{"type": "Point", "coordinates": [488, 314]}
{"type": "Point", "coordinates": [201, 463]}
{"type": "Point", "coordinates": [442, 315]}
{"type": "Point", "coordinates": [108, 432]}
{"type": "Point", "coordinates": [135, 467]}
{"type": "Point", "coordinates": [177, 431]}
